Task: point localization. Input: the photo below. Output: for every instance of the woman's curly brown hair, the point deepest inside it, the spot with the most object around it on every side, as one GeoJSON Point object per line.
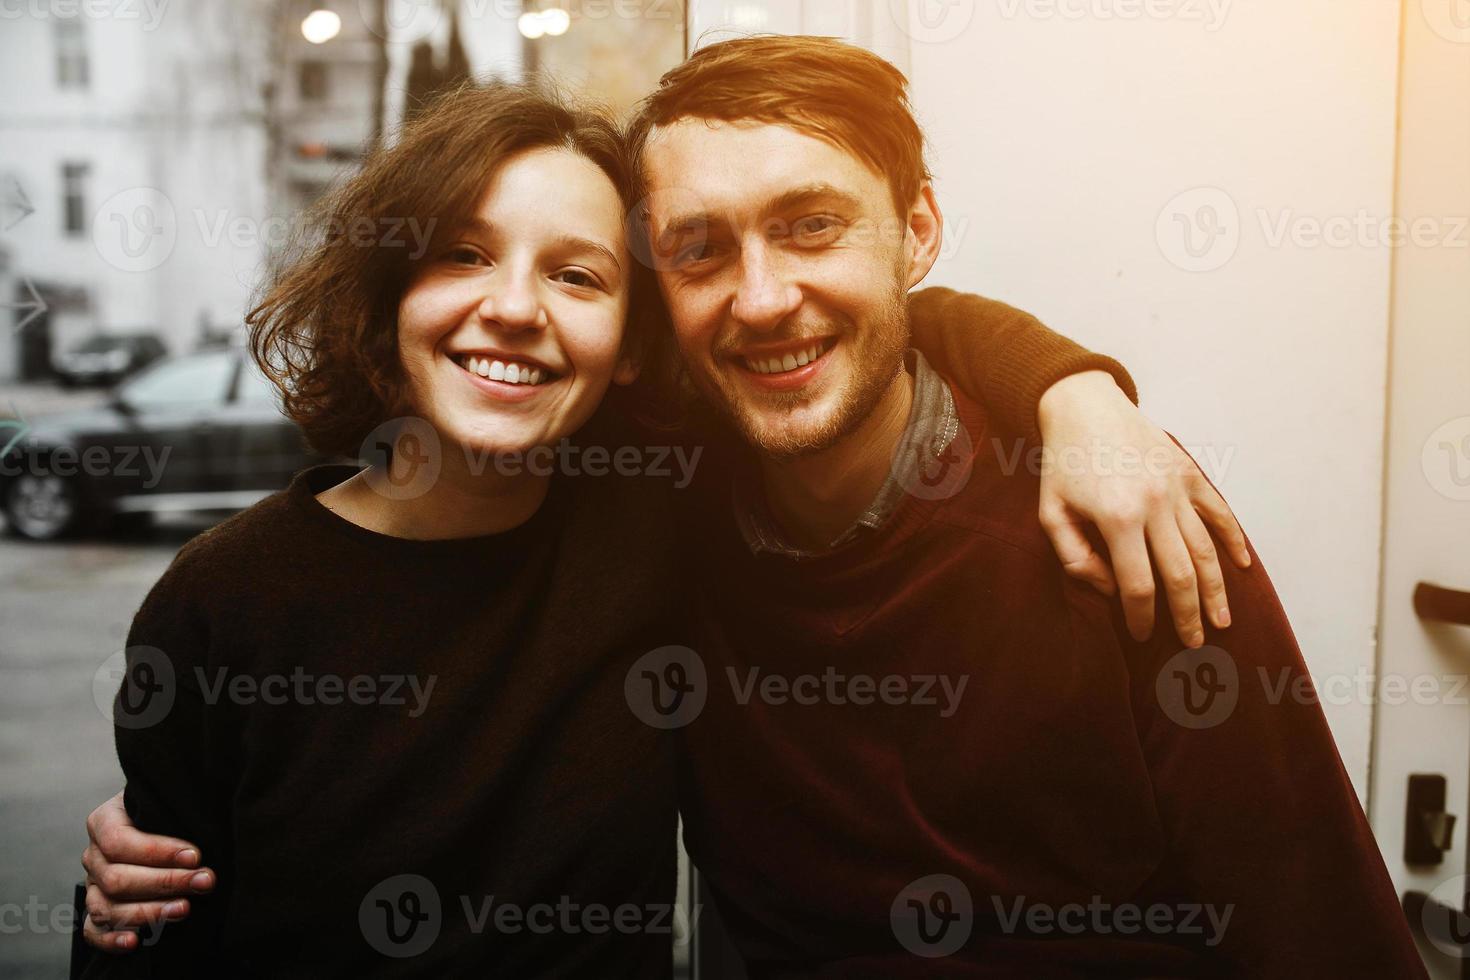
{"type": "Point", "coordinates": [326, 330]}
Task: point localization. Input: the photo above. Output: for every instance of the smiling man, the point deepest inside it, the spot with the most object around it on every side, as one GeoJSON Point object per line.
{"type": "Point", "coordinates": [1203, 826]}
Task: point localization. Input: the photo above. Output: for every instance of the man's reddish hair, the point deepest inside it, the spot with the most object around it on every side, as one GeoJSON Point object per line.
{"type": "Point", "coordinates": [820, 86]}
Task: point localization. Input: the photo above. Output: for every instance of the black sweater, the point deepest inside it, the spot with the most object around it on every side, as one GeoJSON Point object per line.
{"type": "Point", "coordinates": [533, 809]}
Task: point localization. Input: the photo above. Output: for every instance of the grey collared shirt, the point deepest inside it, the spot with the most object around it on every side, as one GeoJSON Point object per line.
{"type": "Point", "coordinates": [932, 425]}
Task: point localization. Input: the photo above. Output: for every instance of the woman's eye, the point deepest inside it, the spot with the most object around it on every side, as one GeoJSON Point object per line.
{"type": "Point", "coordinates": [464, 255]}
{"type": "Point", "coordinates": [578, 277]}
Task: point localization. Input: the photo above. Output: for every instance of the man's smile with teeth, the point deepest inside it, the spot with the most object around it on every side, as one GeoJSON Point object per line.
{"type": "Point", "coordinates": [789, 361]}
{"type": "Point", "coordinates": [507, 371]}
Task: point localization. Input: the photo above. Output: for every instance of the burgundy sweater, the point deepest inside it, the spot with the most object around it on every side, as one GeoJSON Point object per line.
{"type": "Point", "coordinates": [940, 699]}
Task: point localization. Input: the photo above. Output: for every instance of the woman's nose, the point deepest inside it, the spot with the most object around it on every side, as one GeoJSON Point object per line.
{"type": "Point", "coordinates": [513, 303]}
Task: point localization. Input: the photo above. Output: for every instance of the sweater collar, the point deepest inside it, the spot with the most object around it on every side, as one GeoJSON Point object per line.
{"type": "Point", "coordinates": [932, 426]}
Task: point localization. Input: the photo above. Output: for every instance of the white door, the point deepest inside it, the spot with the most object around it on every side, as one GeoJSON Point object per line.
{"type": "Point", "coordinates": [1423, 711]}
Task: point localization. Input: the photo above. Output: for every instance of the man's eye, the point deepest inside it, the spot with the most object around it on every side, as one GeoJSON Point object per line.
{"type": "Point", "coordinates": [694, 254]}
{"type": "Point", "coordinates": [816, 228]}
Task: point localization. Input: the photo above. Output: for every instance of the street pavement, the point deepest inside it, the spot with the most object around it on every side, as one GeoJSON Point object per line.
{"type": "Point", "coordinates": [64, 609]}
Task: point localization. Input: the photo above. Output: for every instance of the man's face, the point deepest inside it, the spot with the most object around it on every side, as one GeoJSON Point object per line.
{"type": "Point", "coordinates": [785, 267]}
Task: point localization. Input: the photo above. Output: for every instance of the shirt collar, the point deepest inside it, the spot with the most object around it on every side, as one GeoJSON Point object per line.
{"type": "Point", "coordinates": [932, 424]}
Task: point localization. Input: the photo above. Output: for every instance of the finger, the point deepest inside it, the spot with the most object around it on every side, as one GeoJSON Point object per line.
{"type": "Point", "coordinates": [1176, 570]}
{"type": "Point", "coordinates": [1218, 515]}
{"type": "Point", "coordinates": [1129, 551]}
{"type": "Point", "coordinates": [108, 941]}
{"type": "Point", "coordinates": [135, 915]}
{"type": "Point", "coordinates": [121, 843]}
{"type": "Point", "coordinates": [1206, 567]}
{"type": "Point", "coordinates": [132, 883]}
{"type": "Point", "coordinates": [1079, 559]}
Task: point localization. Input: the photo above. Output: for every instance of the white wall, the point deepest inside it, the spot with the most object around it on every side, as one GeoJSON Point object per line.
{"type": "Point", "coordinates": [1059, 142]}
{"type": "Point", "coordinates": [1063, 131]}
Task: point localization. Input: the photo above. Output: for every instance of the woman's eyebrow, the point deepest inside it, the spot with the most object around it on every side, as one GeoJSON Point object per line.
{"type": "Point", "coordinates": [587, 244]}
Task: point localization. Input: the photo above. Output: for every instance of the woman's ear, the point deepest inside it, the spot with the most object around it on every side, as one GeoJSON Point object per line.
{"type": "Point", "coordinates": [630, 365]}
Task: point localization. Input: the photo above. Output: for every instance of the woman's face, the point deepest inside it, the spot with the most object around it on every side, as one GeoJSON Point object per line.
{"type": "Point", "coordinates": [510, 336]}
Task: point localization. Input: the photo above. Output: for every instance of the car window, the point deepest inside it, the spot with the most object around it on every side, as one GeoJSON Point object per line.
{"type": "Point", "coordinates": [193, 379]}
{"type": "Point", "coordinates": [256, 388]}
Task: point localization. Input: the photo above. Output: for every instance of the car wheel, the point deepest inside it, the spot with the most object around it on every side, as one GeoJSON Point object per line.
{"type": "Point", "coordinates": [42, 508]}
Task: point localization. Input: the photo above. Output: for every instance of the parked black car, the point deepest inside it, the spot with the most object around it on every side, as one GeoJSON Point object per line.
{"type": "Point", "coordinates": [106, 360]}
{"type": "Point", "coordinates": [201, 432]}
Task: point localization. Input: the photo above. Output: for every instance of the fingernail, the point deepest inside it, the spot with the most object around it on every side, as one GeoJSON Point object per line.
{"type": "Point", "coordinates": [1224, 617]}
{"type": "Point", "coordinates": [1197, 639]}
{"type": "Point", "coordinates": [201, 881]}
{"type": "Point", "coordinates": [188, 856]}
{"type": "Point", "coordinates": [125, 940]}
{"type": "Point", "coordinates": [173, 910]}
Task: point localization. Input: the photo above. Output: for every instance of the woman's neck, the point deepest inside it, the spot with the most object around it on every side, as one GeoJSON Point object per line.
{"type": "Point", "coordinates": [458, 503]}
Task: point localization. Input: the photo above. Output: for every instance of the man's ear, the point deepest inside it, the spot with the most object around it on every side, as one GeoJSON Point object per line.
{"type": "Point", "coordinates": [923, 235]}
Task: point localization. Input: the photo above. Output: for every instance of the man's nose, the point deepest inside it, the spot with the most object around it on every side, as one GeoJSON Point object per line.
{"type": "Point", "coordinates": [765, 295]}
{"type": "Point", "coordinates": [513, 302]}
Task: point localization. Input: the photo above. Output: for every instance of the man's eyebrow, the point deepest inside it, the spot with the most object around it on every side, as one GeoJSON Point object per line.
{"type": "Point", "coordinates": [812, 193]}
{"type": "Point", "coordinates": [786, 201]}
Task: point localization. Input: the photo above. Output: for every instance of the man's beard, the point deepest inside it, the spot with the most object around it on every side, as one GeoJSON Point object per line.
{"type": "Point", "coordinates": [876, 353]}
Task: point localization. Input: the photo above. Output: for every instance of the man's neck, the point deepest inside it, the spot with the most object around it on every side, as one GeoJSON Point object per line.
{"type": "Point", "coordinates": [814, 498]}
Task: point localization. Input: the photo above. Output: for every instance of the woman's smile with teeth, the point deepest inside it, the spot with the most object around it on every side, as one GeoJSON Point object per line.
{"type": "Point", "coordinates": [790, 361]}
{"type": "Point", "coordinates": [510, 372]}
